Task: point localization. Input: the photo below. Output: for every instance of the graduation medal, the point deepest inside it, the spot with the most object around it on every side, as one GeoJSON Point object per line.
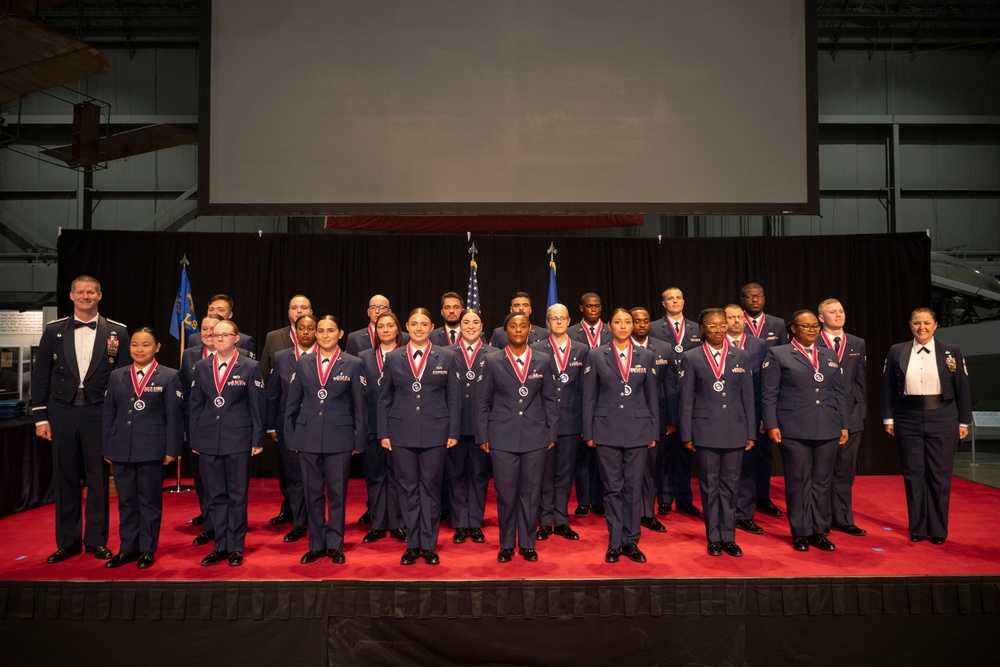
{"type": "Point", "coordinates": [813, 359]}
{"type": "Point", "coordinates": [522, 374]}
{"type": "Point", "coordinates": [325, 375]}
{"type": "Point", "coordinates": [140, 386]}
{"type": "Point", "coordinates": [625, 369]}
{"type": "Point", "coordinates": [417, 368]}
{"type": "Point", "coordinates": [220, 383]}
{"type": "Point", "coordinates": [470, 358]}
{"type": "Point", "coordinates": [562, 358]}
{"type": "Point", "coordinates": [717, 368]}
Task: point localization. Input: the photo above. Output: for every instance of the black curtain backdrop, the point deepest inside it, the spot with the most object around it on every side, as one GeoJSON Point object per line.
{"type": "Point", "coordinates": [878, 278]}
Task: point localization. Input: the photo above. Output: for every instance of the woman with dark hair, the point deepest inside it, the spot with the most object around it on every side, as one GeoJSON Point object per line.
{"type": "Point", "coordinates": [419, 415]}
{"type": "Point", "coordinates": [143, 430]}
{"type": "Point", "coordinates": [621, 418]}
{"type": "Point", "coordinates": [927, 406]}
{"type": "Point", "coordinates": [803, 410]}
{"type": "Point", "coordinates": [516, 422]}
{"type": "Point", "coordinates": [380, 476]}
{"type": "Point", "coordinates": [226, 425]}
{"type": "Point", "coordinates": [325, 422]}
{"type": "Point", "coordinates": [717, 424]}
{"type": "Point", "coordinates": [468, 466]}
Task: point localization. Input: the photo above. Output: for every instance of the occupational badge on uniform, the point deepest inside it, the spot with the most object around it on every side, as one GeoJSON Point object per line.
{"type": "Point", "coordinates": [949, 361]}
{"type": "Point", "coordinates": [291, 380]}
{"type": "Point", "coordinates": [55, 357]}
{"type": "Point", "coordinates": [765, 364]}
{"type": "Point", "coordinates": [180, 394]}
{"type": "Point", "coordinates": [259, 383]}
{"type": "Point", "coordinates": [364, 381]}
{"type": "Point", "coordinates": [113, 346]}
{"type": "Point", "coordinates": [965, 368]}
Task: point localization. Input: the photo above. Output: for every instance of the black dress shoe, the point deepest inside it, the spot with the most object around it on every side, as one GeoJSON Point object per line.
{"type": "Point", "coordinates": [749, 526]}
{"type": "Point", "coordinates": [826, 531]}
{"type": "Point", "coordinates": [62, 554]}
{"type": "Point", "coordinates": [236, 558]}
{"type": "Point", "coordinates": [850, 529]}
{"type": "Point", "coordinates": [689, 509]}
{"type": "Point", "coordinates": [529, 555]}
{"type": "Point", "coordinates": [121, 558]}
{"type": "Point", "coordinates": [632, 551]}
{"type": "Point", "coordinates": [543, 532]}
{"type": "Point", "coordinates": [312, 556]}
{"type": "Point", "coordinates": [477, 535]}
{"type": "Point", "coordinates": [732, 549]}
{"type": "Point", "coordinates": [916, 538]}
{"type": "Point", "coordinates": [461, 535]}
{"type": "Point", "coordinates": [714, 549]}
{"type": "Point", "coordinates": [563, 530]}
{"type": "Point", "coordinates": [768, 508]}
{"type": "Point", "coordinates": [145, 560]}
{"type": "Point", "coordinates": [198, 520]}
{"type": "Point", "coordinates": [663, 509]}
{"type": "Point", "coordinates": [409, 557]}
{"type": "Point", "coordinates": [399, 534]}
{"type": "Point", "coordinates": [820, 542]}
{"type": "Point", "coordinates": [430, 557]}
{"type": "Point", "coordinates": [365, 518]}
{"type": "Point", "coordinates": [505, 555]}
{"type": "Point", "coordinates": [205, 537]}
{"type": "Point", "coordinates": [100, 552]}
{"type": "Point", "coordinates": [612, 555]}
{"type": "Point", "coordinates": [282, 517]}
{"type": "Point", "coordinates": [936, 540]}
{"type": "Point", "coordinates": [295, 534]}
{"type": "Point", "coordinates": [581, 511]}
{"type": "Point", "coordinates": [652, 523]}
{"type": "Point", "coordinates": [215, 558]}
{"type": "Point", "coordinates": [373, 536]}
{"type": "Point", "coordinates": [337, 556]}
{"type": "Point", "coordinates": [598, 510]}
{"type": "Point", "coordinates": [800, 543]}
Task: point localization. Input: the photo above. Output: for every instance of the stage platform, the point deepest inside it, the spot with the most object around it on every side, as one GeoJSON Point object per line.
{"type": "Point", "coordinates": [878, 599]}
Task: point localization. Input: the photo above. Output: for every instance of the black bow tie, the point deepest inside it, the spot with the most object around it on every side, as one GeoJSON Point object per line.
{"type": "Point", "coordinates": [469, 348]}
{"type": "Point", "coordinates": [223, 365]}
{"type": "Point", "coordinates": [90, 325]}
{"type": "Point", "coordinates": [417, 353]}
{"type": "Point", "coordinates": [325, 360]}
{"type": "Point", "coordinates": [923, 349]}
{"type": "Point", "coordinates": [140, 373]}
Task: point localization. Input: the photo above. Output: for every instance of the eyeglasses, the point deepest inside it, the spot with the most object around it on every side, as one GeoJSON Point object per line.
{"type": "Point", "coordinates": [223, 335]}
{"type": "Point", "coordinates": [559, 318]}
{"type": "Point", "coordinates": [807, 327]}
{"type": "Point", "coordinates": [378, 309]}
{"type": "Point", "coordinates": [717, 327]}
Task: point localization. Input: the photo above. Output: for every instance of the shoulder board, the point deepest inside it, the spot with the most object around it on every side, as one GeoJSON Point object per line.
{"type": "Point", "coordinates": [121, 324]}
{"type": "Point", "coordinates": [61, 319]}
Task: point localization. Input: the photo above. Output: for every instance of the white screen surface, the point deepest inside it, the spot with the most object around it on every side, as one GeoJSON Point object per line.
{"type": "Point", "coordinates": [503, 106]}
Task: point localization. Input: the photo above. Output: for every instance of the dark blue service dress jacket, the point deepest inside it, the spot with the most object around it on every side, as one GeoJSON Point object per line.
{"type": "Point", "coordinates": [717, 419]}
{"type": "Point", "coordinates": [336, 423]}
{"type": "Point", "coordinates": [150, 434]}
{"type": "Point", "coordinates": [610, 415]}
{"type": "Point", "coordinates": [238, 425]}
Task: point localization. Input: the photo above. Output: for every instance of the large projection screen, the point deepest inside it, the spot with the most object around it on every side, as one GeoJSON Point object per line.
{"type": "Point", "coordinates": [313, 107]}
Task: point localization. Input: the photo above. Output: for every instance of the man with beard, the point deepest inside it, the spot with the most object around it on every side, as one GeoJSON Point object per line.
{"type": "Point", "coordinates": [451, 310]}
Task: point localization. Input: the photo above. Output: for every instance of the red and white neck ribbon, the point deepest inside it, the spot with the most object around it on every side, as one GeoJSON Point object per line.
{"type": "Point", "coordinates": [380, 356]}
{"type": "Point", "coordinates": [325, 375]}
{"type": "Point", "coordinates": [221, 379]}
{"type": "Point", "coordinates": [521, 373]}
{"type": "Point", "coordinates": [147, 373]}
{"type": "Point", "coordinates": [295, 339]}
{"type": "Point", "coordinates": [371, 335]}
{"type": "Point", "coordinates": [812, 355]}
{"type": "Point", "coordinates": [470, 357]}
{"type": "Point", "coordinates": [562, 358]}
{"type": "Point", "coordinates": [829, 344]}
{"type": "Point", "coordinates": [755, 330]}
{"type": "Point", "coordinates": [205, 352]}
{"type": "Point", "coordinates": [678, 332]}
{"type": "Point", "coordinates": [593, 339]}
{"type": "Point", "coordinates": [717, 368]}
{"type": "Point", "coordinates": [418, 368]}
{"type": "Point", "coordinates": [624, 368]}
{"type": "Point", "coordinates": [742, 340]}
{"type": "Point", "coordinates": [299, 352]}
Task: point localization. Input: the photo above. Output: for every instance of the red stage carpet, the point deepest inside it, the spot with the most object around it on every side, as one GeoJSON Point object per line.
{"type": "Point", "coordinates": [28, 538]}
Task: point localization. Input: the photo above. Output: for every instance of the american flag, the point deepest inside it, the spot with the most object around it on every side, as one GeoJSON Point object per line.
{"type": "Point", "coordinates": [472, 299]}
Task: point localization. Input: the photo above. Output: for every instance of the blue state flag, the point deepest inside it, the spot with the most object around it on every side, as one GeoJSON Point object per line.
{"type": "Point", "coordinates": [553, 293]}
{"type": "Point", "coordinates": [183, 315]}
{"type": "Point", "coordinates": [472, 298]}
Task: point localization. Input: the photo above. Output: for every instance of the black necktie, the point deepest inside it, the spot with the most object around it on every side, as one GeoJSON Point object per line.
{"type": "Point", "coordinates": [593, 330]}
{"type": "Point", "coordinates": [836, 344]}
{"type": "Point", "coordinates": [223, 365]}
{"type": "Point", "coordinates": [90, 325]}
{"type": "Point", "coordinates": [622, 355]}
{"type": "Point", "coordinates": [716, 355]}
{"type": "Point", "coordinates": [520, 361]}
{"type": "Point", "coordinates": [453, 337]}
{"type": "Point", "coordinates": [469, 348]}
{"type": "Point", "coordinates": [417, 353]}
{"type": "Point", "coordinates": [325, 360]}
{"type": "Point", "coordinates": [923, 349]}
{"type": "Point", "coordinates": [677, 327]}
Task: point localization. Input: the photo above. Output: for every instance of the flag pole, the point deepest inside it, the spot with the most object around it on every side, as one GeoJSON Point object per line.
{"type": "Point", "coordinates": [177, 487]}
